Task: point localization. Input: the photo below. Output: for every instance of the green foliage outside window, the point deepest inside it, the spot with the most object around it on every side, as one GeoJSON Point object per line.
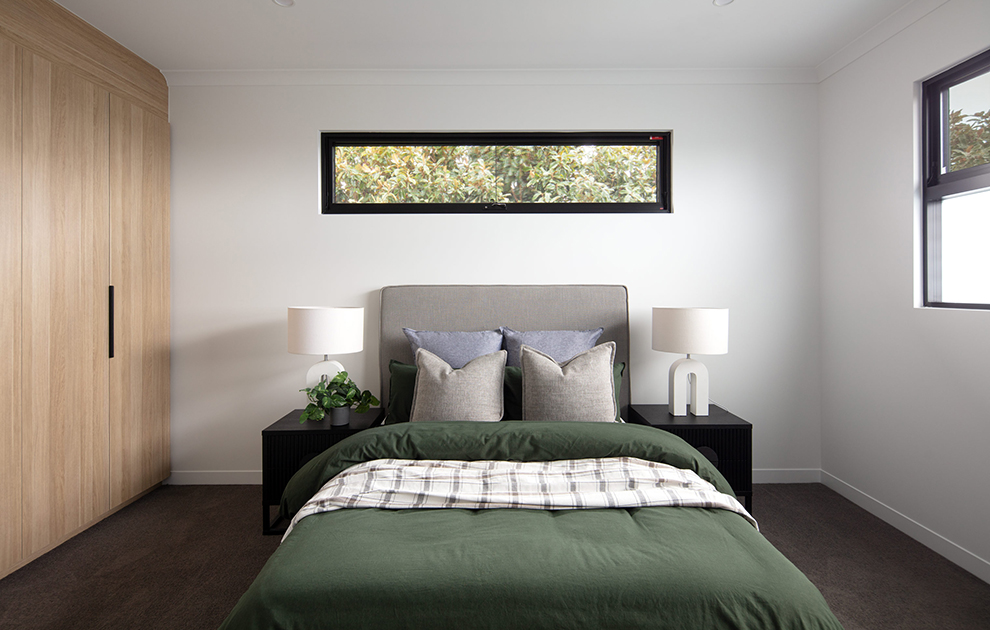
{"type": "Point", "coordinates": [969, 139]}
{"type": "Point", "coordinates": [495, 174]}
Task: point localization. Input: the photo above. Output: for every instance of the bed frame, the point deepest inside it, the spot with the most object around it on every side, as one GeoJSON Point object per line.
{"type": "Point", "coordinates": [650, 567]}
{"type": "Point", "coordinates": [486, 307]}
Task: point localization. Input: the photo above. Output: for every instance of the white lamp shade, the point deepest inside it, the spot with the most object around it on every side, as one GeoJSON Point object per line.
{"type": "Point", "coordinates": [326, 330]}
{"type": "Point", "coordinates": [691, 330]}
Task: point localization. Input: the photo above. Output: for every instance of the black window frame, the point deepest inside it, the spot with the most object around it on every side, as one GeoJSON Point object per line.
{"type": "Point", "coordinates": [937, 185]}
{"type": "Point", "coordinates": [329, 140]}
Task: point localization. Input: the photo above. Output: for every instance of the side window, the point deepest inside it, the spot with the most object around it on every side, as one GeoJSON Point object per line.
{"type": "Point", "coordinates": [387, 173]}
{"type": "Point", "coordinates": [956, 180]}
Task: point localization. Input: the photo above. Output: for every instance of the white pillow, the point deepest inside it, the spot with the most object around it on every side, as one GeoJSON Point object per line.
{"type": "Point", "coordinates": [581, 389]}
{"type": "Point", "coordinates": [472, 393]}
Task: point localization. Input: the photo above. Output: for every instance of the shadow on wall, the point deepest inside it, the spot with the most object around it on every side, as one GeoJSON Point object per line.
{"type": "Point", "coordinates": [249, 369]}
{"type": "Point", "coordinates": [225, 387]}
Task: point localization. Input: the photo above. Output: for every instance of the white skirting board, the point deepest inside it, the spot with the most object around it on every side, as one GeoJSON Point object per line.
{"type": "Point", "coordinates": [934, 541]}
{"type": "Point", "coordinates": [787, 475]}
{"type": "Point", "coordinates": [214, 478]}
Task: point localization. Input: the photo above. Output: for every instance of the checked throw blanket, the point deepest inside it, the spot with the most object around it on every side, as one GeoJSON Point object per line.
{"type": "Point", "coordinates": [614, 482]}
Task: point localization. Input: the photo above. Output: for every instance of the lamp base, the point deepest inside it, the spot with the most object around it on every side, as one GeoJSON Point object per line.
{"type": "Point", "coordinates": [687, 374]}
{"type": "Point", "coordinates": [327, 368]}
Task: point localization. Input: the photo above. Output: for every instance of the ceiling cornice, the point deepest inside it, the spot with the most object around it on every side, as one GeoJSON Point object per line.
{"type": "Point", "coordinates": [876, 36]}
{"type": "Point", "coordinates": [659, 76]}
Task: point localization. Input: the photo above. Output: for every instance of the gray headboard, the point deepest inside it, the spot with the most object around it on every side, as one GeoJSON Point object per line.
{"type": "Point", "coordinates": [486, 307]}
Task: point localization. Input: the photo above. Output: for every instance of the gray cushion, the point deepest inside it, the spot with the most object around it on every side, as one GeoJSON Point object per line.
{"type": "Point", "coordinates": [560, 345]}
{"type": "Point", "coordinates": [581, 389]}
{"type": "Point", "coordinates": [486, 307]}
{"type": "Point", "coordinates": [456, 348]}
{"type": "Point", "coordinates": [472, 393]}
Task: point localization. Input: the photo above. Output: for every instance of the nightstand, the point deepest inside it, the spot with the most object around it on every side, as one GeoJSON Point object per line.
{"type": "Point", "coordinates": [288, 444]}
{"type": "Point", "coordinates": [725, 439]}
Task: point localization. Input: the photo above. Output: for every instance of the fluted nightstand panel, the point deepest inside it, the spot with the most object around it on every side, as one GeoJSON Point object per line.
{"type": "Point", "coordinates": [288, 444]}
{"type": "Point", "coordinates": [722, 437]}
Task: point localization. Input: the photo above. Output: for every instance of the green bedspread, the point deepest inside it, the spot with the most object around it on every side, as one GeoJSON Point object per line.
{"type": "Point", "coordinates": [657, 567]}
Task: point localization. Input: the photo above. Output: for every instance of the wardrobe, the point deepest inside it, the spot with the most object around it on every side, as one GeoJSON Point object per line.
{"type": "Point", "coordinates": [84, 278]}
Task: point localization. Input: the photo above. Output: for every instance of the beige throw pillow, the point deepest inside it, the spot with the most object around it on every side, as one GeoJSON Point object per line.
{"type": "Point", "coordinates": [472, 393]}
{"type": "Point", "coordinates": [581, 389]}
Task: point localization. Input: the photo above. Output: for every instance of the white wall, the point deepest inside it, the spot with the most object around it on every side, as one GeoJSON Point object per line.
{"type": "Point", "coordinates": [248, 240]}
{"type": "Point", "coordinates": [795, 206]}
{"type": "Point", "coordinates": [905, 395]}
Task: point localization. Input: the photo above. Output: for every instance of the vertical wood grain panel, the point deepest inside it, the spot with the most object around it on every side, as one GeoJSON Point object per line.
{"type": "Point", "coordinates": [10, 306]}
{"type": "Point", "coordinates": [139, 371]}
{"type": "Point", "coordinates": [65, 267]}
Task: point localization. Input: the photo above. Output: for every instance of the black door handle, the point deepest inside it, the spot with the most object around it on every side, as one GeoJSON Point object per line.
{"type": "Point", "coordinates": [111, 321]}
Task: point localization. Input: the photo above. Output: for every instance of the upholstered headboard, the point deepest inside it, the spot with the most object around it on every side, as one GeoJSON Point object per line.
{"type": "Point", "coordinates": [486, 307]}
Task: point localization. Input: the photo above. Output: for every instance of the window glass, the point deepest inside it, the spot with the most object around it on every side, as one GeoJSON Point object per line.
{"type": "Point", "coordinates": [965, 253]}
{"type": "Point", "coordinates": [510, 174]}
{"type": "Point", "coordinates": [956, 185]}
{"type": "Point", "coordinates": [493, 172]}
{"type": "Point", "coordinates": [969, 123]}
{"type": "Point", "coordinates": [577, 174]}
{"type": "Point", "coordinates": [413, 174]}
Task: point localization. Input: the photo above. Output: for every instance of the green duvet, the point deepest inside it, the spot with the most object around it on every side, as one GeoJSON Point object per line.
{"type": "Point", "coordinates": [655, 567]}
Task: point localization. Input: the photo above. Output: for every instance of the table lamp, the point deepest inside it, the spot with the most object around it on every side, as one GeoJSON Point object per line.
{"type": "Point", "coordinates": [690, 331]}
{"type": "Point", "coordinates": [325, 330]}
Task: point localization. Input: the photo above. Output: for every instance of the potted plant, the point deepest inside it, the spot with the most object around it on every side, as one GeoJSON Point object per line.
{"type": "Point", "coordinates": [335, 396]}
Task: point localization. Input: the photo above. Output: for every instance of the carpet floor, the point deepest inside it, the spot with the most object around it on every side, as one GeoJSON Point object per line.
{"type": "Point", "coordinates": [180, 558]}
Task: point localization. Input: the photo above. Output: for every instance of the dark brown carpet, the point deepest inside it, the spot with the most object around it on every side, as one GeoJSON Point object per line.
{"type": "Point", "coordinates": [873, 576]}
{"type": "Point", "coordinates": [180, 558]}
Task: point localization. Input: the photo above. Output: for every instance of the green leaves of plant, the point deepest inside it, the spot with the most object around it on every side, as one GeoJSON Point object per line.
{"type": "Point", "coordinates": [339, 391]}
{"type": "Point", "coordinates": [311, 412]}
{"type": "Point", "coordinates": [969, 139]}
{"type": "Point", "coordinates": [495, 174]}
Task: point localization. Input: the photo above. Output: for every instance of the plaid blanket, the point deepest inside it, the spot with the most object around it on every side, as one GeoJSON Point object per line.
{"type": "Point", "coordinates": [614, 482]}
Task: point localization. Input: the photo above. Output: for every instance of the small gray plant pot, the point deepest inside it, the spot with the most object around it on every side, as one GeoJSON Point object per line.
{"type": "Point", "coordinates": [340, 416]}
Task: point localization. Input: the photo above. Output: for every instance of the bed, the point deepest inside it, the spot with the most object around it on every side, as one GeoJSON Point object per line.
{"type": "Point", "coordinates": [610, 554]}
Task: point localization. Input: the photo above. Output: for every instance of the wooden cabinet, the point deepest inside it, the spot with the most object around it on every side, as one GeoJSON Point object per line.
{"type": "Point", "coordinates": [139, 273]}
{"type": "Point", "coordinates": [64, 331]}
{"type": "Point", "coordinates": [84, 178]}
{"type": "Point", "coordinates": [10, 305]}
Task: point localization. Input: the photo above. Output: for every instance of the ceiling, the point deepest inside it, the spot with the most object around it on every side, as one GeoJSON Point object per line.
{"type": "Point", "coordinates": [196, 35]}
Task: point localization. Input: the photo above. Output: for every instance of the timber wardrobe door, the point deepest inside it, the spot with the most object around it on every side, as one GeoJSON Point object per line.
{"type": "Point", "coordinates": [10, 305]}
{"type": "Point", "coordinates": [139, 263]}
{"type": "Point", "coordinates": [65, 310]}
{"type": "Point", "coordinates": [84, 278]}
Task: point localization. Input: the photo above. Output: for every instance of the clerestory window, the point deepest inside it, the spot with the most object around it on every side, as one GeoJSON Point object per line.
{"type": "Point", "coordinates": [386, 173]}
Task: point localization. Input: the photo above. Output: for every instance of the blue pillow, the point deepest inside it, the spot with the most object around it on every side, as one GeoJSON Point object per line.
{"type": "Point", "coordinates": [455, 348]}
{"type": "Point", "coordinates": [559, 345]}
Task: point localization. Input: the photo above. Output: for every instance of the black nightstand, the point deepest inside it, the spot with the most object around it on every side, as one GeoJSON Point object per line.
{"type": "Point", "coordinates": [722, 437]}
{"type": "Point", "coordinates": [288, 444]}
